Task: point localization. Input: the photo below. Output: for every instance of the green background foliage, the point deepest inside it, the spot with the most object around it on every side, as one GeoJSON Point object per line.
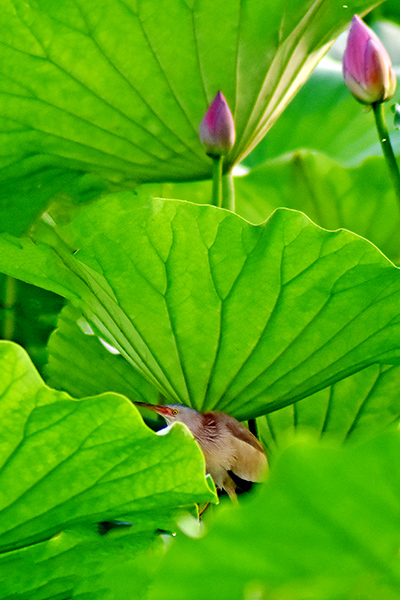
{"type": "Point", "coordinates": [128, 110]}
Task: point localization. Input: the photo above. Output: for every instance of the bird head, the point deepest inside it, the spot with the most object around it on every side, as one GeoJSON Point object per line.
{"type": "Point", "coordinates": [175, 412]}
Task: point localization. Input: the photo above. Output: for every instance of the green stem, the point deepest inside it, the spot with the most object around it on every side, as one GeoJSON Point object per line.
{"type": "Point", "coordinates": [217, 180]}
{"type": "Point", "coordinates": [10, 295]}
{"type": "Point", "coordinates": [252, 423]}
{"type": "Point", "coordinates": [228, 192]}
{"type": "Point", "coordinates": [387, 148]}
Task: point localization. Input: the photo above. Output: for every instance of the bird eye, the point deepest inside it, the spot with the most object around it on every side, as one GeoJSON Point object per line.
{"type": "Point", "coordinates": [174, 411]}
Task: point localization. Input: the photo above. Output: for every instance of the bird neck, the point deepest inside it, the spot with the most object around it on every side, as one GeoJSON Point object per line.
{"type": "Point", "coordinates": [205, 429]}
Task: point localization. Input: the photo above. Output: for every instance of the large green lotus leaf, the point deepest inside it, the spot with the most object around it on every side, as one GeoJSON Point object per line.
{"type": "Point", "coordinates": [117, 89]}
{"type": "Point", "coordinates": [353, 409]}
{"type": "Point", "coordinates": [83, 565]}
{"type": "Point", "coordinates": [82, 366]}
{"type": "Point", "coordinates": [326, 526]}
{"type": "Point", "coordinates": [214, 311]}
{"type": "Point", "coordinates": [64, 462]}
{"type": "Point", "coordinates": [324, 117]}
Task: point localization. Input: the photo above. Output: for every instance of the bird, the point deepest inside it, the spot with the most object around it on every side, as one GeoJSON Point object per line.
{"type": "Point", "coordinates": [234, 457]}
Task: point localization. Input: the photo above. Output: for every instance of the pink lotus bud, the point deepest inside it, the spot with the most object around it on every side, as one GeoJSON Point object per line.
{"type": "Point", "coordinates": [367, 69]}
{"type": "Point", "coordinates": [217, 129]}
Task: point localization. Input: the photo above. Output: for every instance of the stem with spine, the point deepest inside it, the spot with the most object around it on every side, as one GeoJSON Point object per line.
{"type": "Point", "coordinates": [223, 193]}
{"type": "Point", "coordinates": [387, 148]}
{"type": "Point", "coordinates": [10, 296]}
{"type": "Point", "coordinates": [228, 192]}
{"type": "Point", "coordinates": [217, 181]}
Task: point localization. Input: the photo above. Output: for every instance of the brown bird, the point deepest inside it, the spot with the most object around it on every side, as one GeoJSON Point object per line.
{"type": "Point", "coordinates": [234, 456]}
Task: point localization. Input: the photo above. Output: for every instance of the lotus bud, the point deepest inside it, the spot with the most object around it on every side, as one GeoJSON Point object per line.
{"type": "Point", "coordinates": [217, 129]}
{"type": "Point", "coordinates": [367, 69]}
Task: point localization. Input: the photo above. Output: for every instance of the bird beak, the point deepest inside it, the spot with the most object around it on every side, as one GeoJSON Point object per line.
{"type": "Point", "coordinates": [158, 408]}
